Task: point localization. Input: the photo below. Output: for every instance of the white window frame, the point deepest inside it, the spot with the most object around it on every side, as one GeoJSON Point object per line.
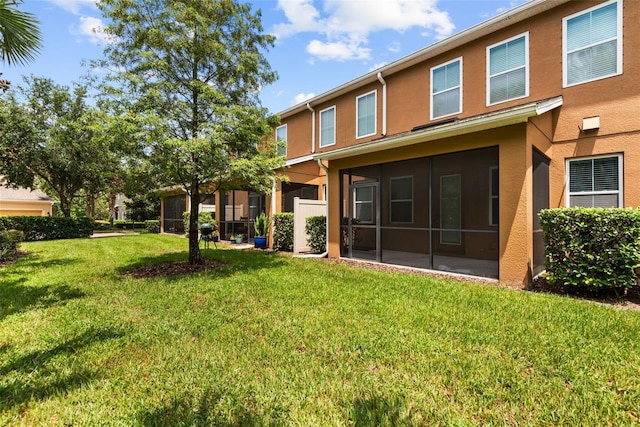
{"type": "Point", "coordinates": [525, 66]}
{"type": "Point", "coordinates": [375, 113]}
{"type": "Point", "coordinates": [334, 126]}
{"type": "Point", "coordinates": [286, 147]}
{"type": "Point", "coordinates": [391, 200]}
{"type": "Point", "coordinates": [492, 196]}
{"type": "Point", "coordinates": [565, 52]}
{"type": "Point", "coordinates": [432, 94]}
{"type": "Point", "coordinates": [367, 202]}
{"type": "Point", "coordinates": [620, 179]}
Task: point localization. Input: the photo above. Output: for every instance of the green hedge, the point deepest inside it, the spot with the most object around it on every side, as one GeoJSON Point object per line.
{"type": "Point", "coordinates": [10, 243]}
{"type": "Point", "coordinates": [152, 226]}
{"type": "Point", "coordinates": [316, 229]}
{"type": "Point", "coordinates": [591, 248]}
{"type": "Point", "coordinates": [128, 225]}
{"type": "Point", "coordinates": [283, 232]}
{"type": "Point", "coordinates": [48, 227]}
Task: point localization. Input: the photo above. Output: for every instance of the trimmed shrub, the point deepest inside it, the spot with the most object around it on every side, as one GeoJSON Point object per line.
{"type": "Point", "coordinates": [128, 225]}
{"type": "Point", "coordinates": [283, 231]}
{"type": "Point", "coordinates": [152, 226]}
{"type": "Point", "coordinates": [10, 243]}
{"type": "Point", "coordinates": [316, 229]}
{"type": "Point", "coordinates": [591, 247]}
{"type": "Point", "coordinates": [48, 227]}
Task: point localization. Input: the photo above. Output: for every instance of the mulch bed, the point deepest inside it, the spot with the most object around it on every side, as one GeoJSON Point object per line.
{"type": "Point", "coordinates": [173, 268]}
{"type": "Point", "coordinates": [13, 259]}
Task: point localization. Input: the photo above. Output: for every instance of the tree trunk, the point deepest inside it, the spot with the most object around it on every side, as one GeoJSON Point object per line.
{"type": "Point", "coordinates": [194, 244]}
{"type": "Point", "coordinates": [65, 207]}
{"type": "Point", "coordinates": [112, 207]}
{"type": "Point", "coordinates": [90, 205]}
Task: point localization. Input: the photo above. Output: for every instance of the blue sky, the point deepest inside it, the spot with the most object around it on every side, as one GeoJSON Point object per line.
{"type": "Point", "coordinates": [320, 43]}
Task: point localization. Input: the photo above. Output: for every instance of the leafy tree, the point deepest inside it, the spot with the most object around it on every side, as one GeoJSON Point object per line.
{"type": "Point", "coordinates": [55, 141]}
{"type": "Point", "coordinates": [19, 36]}
{"type": "Point", "coordinates": [143, 207]}
{"type": "Point", "coordinates": [195, 67]}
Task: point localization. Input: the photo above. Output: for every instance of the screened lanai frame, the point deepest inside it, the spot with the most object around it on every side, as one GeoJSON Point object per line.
{"type": "Point", "coordinates": [452, 225]}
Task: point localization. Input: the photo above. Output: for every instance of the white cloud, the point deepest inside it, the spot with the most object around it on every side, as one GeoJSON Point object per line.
{"type": "Point", "coordinates": [339, 51]}
{"type": "Point", "coordinates": [92, 28]}
{"type": "Point", "coordinates": [346, 25]}
{"type": "Point", "coordinates": [74, 6]}
{"type": "Point", "coordinates": [301, 97]}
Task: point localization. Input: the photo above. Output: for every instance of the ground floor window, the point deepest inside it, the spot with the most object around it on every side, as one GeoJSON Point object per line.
{"type": "Point", "coordinates": [429, 212]}
{"type": "Point", "coordinates": [595, 182]}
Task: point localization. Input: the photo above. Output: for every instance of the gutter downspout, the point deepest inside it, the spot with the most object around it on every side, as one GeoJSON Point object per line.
{"type": "Point", "coordinates": [384, 103]}
{"type": "Point", "coordinates": [313, 128]}
{"type": "Point", "coordinates": [326, 252]}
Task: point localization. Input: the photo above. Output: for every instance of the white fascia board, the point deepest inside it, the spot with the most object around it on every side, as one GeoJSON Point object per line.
{"type": "Point", "coordinates": [298, 160]}
{"type": "Point", "coordinates": [511, 116]}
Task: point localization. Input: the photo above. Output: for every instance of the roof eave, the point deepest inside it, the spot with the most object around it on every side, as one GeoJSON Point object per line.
{"type": "Point", "coordinates": [511, 116]}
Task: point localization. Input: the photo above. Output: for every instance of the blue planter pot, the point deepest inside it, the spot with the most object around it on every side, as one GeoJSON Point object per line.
{"type": "Point", "coordinates": [260, 242]}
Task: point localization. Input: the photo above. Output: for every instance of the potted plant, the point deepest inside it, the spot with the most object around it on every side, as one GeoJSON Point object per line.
{"type": "Point", "coordinates": [261, 225]}
{"type": "Point", "coordinates": [238, 238]}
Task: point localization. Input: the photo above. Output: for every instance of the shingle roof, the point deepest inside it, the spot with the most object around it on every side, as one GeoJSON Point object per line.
{"type": "Point", "coordinates": [22, 194]}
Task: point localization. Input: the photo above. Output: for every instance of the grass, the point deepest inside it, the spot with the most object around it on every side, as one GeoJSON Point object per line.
{"type": "Point", "coordinates": [273, 340]}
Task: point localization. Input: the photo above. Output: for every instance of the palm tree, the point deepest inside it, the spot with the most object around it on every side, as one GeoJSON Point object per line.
{"type": "Point", "coordinates": [19, 34]}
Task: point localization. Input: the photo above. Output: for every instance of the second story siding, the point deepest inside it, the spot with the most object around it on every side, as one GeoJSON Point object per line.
{"type": "Point", "coordinates": [530, 63]}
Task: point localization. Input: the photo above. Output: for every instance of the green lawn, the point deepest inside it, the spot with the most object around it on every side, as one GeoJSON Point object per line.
{"type": "Point", "coordinates": [272, 340]}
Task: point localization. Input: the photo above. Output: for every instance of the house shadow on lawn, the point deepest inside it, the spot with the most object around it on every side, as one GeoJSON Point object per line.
{"type": "Point", "coordinates": [31, 376]}
{"type": "Point", "coordinates": [219, 262]}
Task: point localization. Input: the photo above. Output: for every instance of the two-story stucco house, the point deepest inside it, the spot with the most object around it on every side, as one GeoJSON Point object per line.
{"type": "Point", "coordinates": [442, 159]}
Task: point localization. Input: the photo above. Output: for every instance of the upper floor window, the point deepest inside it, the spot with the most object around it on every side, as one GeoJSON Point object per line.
{"type": "Point", "coordinates": [595, 182]}
{"type": "Point", "coordinates": [592, 44]}
{"type": "Point", "coordinates": [281, 135]}
{"type": "Point", "coordinates": [508, 70]}
{"type": "Point", "coordinates": [328, 127]}
{"type": "Point", "coordinates": [366, 115]}
{"type": "Point", "coordinates": [446, 89]}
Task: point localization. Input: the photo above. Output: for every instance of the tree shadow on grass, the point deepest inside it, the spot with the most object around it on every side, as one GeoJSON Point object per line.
{"type": "Point", "coordinates": [377, 411]}
{"type": "Point", "coordinates": [16, 296]}
{"type": "Point", "coordinates": [205, 413]}
{"type": "Point", "coordinates": [30, 262]}
{"type": "Point", "coordinates": [31, 376]}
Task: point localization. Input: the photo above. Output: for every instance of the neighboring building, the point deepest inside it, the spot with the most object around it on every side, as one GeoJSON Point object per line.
{"type": "Point", "coordinates": [22, 201]}
{"type": "Point", "coordinates": [442, 159]}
